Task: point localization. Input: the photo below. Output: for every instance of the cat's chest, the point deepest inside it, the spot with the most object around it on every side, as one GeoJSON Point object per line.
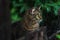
{"type": "Point", "coordinates": [31, 25]}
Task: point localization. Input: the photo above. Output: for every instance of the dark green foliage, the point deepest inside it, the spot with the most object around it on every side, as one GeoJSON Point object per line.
{"type": "Point", "coordinates": [19, 6]}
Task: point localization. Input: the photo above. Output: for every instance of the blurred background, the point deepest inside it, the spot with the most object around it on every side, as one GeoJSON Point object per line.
{"type": "Point", "coordinates": [50, 10]}
{"type": "Point", "coordinates": [12, 11]}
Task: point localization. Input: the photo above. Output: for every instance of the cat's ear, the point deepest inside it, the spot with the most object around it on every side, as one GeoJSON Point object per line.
{"type": "Point", "coordinates": [39, 7]}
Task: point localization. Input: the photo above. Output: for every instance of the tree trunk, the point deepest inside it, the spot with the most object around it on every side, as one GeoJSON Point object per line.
{"type": "Point", "coordinates": [5, 24]}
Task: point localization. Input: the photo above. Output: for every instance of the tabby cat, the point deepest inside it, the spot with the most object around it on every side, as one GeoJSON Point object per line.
{"type": "Point", "coordinates": [31, 19]}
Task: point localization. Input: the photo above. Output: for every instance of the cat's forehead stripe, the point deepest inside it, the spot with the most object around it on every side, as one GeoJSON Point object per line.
{"type": "Point", "coordinates": [33, 10]}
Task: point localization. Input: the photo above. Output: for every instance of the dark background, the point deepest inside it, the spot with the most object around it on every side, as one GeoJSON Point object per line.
{"type": "Point", "coordinates": [5, 22]}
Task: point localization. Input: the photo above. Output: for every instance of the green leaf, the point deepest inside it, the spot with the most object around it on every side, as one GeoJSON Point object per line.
{"type": "Point", "coordinates": [15, 18]}
{"type": "Point", "coordinates": [22, 9]}
{"type": "Point", "coordinates": [13, 10]}
{"type": "Point", "coordinates": [58, 36]}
